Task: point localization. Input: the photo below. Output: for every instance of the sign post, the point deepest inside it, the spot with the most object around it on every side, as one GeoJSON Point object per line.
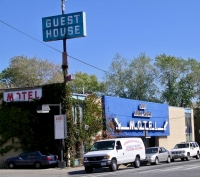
{"type": "Point", "coordinates": [63, 27]}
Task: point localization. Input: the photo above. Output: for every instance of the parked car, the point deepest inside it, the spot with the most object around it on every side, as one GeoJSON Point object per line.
{"type": "Point", "coordinates": [114, 152]}
{"type": "Point", "coordinates": [154, 155]}
{"type": "Point", "coordinates": [33, 158]}
{"type": "Point", "coordinates": [185, 150]}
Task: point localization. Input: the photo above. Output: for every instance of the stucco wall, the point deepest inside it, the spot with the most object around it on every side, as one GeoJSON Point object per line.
{"type": "Point", "coordinates": [11, 153]}
{"type": "Point", "coordinates": [177, 128]}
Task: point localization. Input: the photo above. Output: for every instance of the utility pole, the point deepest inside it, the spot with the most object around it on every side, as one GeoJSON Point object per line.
{"type": "Point", "coordinates": [62, 164]}
{"type": "Point", "coordinates": [64, 54]}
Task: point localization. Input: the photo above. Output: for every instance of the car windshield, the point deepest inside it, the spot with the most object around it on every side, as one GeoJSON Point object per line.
{"type": "Point", "coordinates": [151, 150]}
{"type": "Point", "coordinates": [103, 145]}
{"type": "Point", "coordinates": [186, 145]}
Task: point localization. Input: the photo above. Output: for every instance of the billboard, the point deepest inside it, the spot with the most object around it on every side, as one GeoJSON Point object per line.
{"type": "Point", "coordinates": [64, 26]}
{"type": "Point", "coordinates": [135, 117]}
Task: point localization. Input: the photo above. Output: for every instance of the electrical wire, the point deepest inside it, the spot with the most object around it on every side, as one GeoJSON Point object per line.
{"type": "Point", "coordinates": [50, 46]}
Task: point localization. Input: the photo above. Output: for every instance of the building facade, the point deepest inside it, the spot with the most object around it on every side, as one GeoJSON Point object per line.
{"type": "Point", "coordinates": [157, 124]}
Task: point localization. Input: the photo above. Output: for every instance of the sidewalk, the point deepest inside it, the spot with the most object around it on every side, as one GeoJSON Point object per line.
{"type": "Point", "coordinates": [76, 168]}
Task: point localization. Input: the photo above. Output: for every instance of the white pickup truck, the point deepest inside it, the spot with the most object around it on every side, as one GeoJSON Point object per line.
{"type": "Point", "coordinates": [185, 150]}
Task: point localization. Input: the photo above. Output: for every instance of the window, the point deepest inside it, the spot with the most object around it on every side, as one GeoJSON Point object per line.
{"type": "Point", "coordinates": [23, 155]}
{"type": "Point", "coordinates": [118, 145]}
{"type": "Point", "coordinates": [74, 112]}
{"type": "Point", "coordinates": [188, 125]}
{"type": "Point", "coordinates": [163, 149]}
{"type": "Point", "coordinates": [103, 145]}
{"type": "Point", "coordinates": [181, 146]}
{"type": "Point", "coordinates": [32, 154]}
{"type": "Point", "coordinates": [191, 145]}
{"type": "Point", "coordinates": [151, 150]}
{"type": "Point", "coordinates": [196, 145]}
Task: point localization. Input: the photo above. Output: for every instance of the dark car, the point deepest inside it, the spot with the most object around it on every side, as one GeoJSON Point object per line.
{"type": "Point", "coordinates": [34, 158]}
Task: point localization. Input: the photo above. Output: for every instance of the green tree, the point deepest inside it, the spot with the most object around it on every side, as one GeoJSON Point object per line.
{"type": "Point", "coordinates": [5, 79]}
{"type": "Point", "coordinates": [178, 79]}
{"type": "Point", "coordinates": [28, 72]}
{"type": "Point", "coordinates": [135, 79]}
{"type": "Point", "coordinates": [116, 77]}
{"type": "Point", "coordinates": [142, 83]}
{"type": "Point", "coordinates": [85, 83]}
{"type": "Point", "coordinates": [93, 118]}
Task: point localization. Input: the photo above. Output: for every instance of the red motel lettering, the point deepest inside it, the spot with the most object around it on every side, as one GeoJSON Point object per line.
{"type": "Point", "coordinates": [25, 95]}
{"type": "Point", "coordinates": [10, 97]}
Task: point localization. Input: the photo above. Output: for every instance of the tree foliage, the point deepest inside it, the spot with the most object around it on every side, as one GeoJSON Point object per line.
{"type": "Point", "coordinates": [177, 79]}
{"type": "Point", "coordinates": [142, 81]}
{"type": "Point", "coordinates": [36, 131]}
{"type": "Point", "coordinates": [135, 79]}
{"type": "Point", "coordinates": [168, 79]}
{"type": "Point", "coordinates": [85, 83]}
{"type": "Point", "coordinates": [28, 72]}
{"type": "Point", "coordinates": [116, 77]}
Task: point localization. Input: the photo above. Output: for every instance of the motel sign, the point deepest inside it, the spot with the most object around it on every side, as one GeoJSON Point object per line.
{"type": "Point", "coordinates": [64, 26]}
{"type": "Point", "coordinates": [22, 95]}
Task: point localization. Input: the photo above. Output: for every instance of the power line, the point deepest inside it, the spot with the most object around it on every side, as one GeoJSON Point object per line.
{"type": "Point", "coordinates": [51, 47]}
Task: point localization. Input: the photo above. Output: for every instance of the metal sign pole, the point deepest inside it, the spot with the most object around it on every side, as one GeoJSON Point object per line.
{"type": "Point", "coordinates": [64, 54]}
{"type": "Point", "coordinates": [62, 164]}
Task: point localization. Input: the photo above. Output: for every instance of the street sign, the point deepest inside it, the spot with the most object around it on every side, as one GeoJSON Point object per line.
{"type": "Point", "coordinates": [60, 129]}
{"type": "Point", "coordinates": [64, 26]}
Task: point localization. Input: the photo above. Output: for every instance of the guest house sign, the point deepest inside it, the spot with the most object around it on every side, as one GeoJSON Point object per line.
{"type": "Point", "coordinates": [64, 26]}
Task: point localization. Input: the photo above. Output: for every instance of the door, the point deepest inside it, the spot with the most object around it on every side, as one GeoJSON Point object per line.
{"type": "Point", "coordinates": [160, 154]}
{"type": "Point", "coordinates": [196, 147]}
{"type": "Point", "coordinates": [192, 149]}
{"type": "Point", "coordinates": [22, 159]}
{"type": "Point", "coordinates": [119, 153]}
{"type": "Point", "coordinates": [32, 157]}
{"type": "Point", "coordinates": [165, 154]}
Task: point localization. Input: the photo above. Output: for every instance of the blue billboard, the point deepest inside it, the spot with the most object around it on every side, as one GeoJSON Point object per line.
{"type": "Point", "coordinates": [135, 117]}
{"type": "Point", "coordinates": [64, 26]}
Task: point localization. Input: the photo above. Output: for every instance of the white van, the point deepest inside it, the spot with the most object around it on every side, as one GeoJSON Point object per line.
{"type": "Point", "coordinates": [114, 152]}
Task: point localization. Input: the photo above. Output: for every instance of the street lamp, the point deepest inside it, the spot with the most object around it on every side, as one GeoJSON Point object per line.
{"type": "Point", "coordinates": [45, 109]}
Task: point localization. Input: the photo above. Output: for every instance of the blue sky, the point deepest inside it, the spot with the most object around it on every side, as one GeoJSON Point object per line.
{"type": "Point", "coordinates": [127, 27]}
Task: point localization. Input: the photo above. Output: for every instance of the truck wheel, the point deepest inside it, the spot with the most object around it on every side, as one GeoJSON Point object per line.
{"type": "Point", "coordinates": [137, 162]}
{"type": "Point", "coordinates": [113, 166]}
{"type": "Point", "coordinates": [37, 165]}
{"type": "Point", "coordinates": [197, 156]}
{"type": "Point", "coordinates": [172, 160]}
{"type": "Point", "coordinates": [88, 169]}
{"type": "Point", "coordinates": [188, 156]}
{"type": "Point", "coordinates": [11, 165]}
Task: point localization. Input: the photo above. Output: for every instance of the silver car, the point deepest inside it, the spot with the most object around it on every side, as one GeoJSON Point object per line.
{"type": "Point", "coordinates": [154, 155]}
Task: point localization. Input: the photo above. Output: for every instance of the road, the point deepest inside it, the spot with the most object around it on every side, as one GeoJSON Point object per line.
{"type": "Point", "coordinates": [176, 169]}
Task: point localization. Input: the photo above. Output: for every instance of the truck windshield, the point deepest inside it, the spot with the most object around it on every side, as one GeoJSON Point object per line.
{"type": "Point", "coordinates": [181, 146]}
{"type": "Point", "coordinates": [103, 145]}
